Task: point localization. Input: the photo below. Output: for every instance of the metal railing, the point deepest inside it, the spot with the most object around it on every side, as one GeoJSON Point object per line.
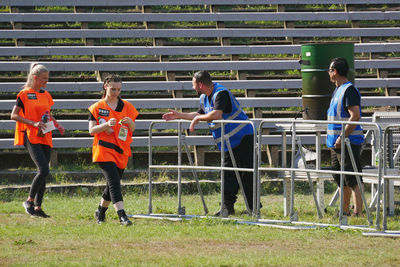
{"type": "Point", "coordinates": [285, 126]}
{"type": "Point", "coordinates": [179, 166]}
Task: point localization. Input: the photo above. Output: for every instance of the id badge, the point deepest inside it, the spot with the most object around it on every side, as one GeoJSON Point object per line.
{"type": "Point", "coordinates": [123, 133]}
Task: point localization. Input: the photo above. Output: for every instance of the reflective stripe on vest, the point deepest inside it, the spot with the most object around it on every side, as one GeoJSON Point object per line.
{"type": "Point", "coordinates": [234, 131]}
{"type": "Point", "coordinates": [337, 112]}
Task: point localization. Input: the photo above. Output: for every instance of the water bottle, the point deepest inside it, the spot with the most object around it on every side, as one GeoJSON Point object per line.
{"type": "Point", "coordinates": [44, 119]}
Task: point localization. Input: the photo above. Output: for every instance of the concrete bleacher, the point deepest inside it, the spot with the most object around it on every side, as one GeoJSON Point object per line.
{"type": "Point", "coordinates": [189, 65]}
{"type": "Point", "coordinates": [131, 86]}
{"type": "Point", "coordinates": [200, 33]}
{"type": "Point", "coordinates": [231, 16]}
{"type": "Point", "coordinates": [180, 50]}
{"type": "Point", "coordinates": [25, 39]}
{"type": "Point", "coordinates": [186, 2]}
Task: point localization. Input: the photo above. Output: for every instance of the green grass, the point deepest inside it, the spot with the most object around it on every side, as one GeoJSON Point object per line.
{"type": "Point", "coordinates": [71, 237]}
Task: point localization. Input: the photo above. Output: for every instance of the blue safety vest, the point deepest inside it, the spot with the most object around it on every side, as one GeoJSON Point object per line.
{"type": "Point", "coordinates": [337, 112]}
{"type": "Point", "coordinates": [235, 131]}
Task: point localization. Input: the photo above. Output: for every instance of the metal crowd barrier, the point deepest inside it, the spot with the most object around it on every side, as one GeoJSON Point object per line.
{"type": "Point", "coordinates": [290, 125]}
{"type": "Point", "coordinates": [285, 126]}
{"type": "Point", "coordinates": [179, 167]}
{"type": "Point", "coordinates": [388, 159]}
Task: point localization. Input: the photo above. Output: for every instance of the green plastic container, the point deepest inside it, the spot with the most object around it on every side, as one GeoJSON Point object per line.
{"type": "Point", "coordinates": [316, 85]}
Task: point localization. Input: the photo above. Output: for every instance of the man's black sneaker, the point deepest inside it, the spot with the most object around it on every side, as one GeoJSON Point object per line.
{"type": "Point", "coordinates": [230, 209]}
{"type": "Point", "coordinates": [100, 214]}
{"type": "Point", "coordinates": [29, 207]}
{"type": "Point", "coordinates": [40, 213]}
{"type": "Point", "coordinates": [123, 219]}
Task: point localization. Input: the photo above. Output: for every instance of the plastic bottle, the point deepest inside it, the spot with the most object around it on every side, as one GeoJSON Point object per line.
{"type": "Point", "coordinates": [44, 119]}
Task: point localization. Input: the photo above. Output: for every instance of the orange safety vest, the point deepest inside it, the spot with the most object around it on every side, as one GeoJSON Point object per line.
{"type": "Point", "coordinates": [109, 147]}
{"type": "Point", "coordinates": [35, 105]}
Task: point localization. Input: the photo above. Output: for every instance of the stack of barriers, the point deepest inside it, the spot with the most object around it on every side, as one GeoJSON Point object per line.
{"type": "Point", "coordinates": [285, 126]}
{"type": "Point", "coordinates": [388, 161]}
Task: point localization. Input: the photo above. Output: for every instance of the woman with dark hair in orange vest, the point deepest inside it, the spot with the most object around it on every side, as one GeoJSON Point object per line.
{"type": "Point", "coordinates": [112, 122]}
{"type": "Point", "coordinates": [33, 130]}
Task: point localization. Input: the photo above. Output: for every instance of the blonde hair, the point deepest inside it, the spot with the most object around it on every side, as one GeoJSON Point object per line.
{"type": "Point", "coordinates": [34, 70]}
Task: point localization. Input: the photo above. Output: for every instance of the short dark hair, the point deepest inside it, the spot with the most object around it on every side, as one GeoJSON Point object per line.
{"type": "Point", "coordinates": [340, 65]}
{"type": "Point", "coordinates": [203, 77]}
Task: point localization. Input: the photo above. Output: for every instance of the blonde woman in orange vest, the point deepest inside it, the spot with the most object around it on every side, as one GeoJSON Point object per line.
{"type": "Point", "coordinates": [112, 122]}
{"type": "Point", "coordinates": [33, 130]}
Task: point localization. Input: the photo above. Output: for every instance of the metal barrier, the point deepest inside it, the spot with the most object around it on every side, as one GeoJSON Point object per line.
{"type": "Point", "coordinates": [288, 125]}
{"type": "Point", "coordinates": [388, 159]}
{"type": "Point", "coordinates": [291, 126]}
{"type": "Point", "coordinates": [225, 139]}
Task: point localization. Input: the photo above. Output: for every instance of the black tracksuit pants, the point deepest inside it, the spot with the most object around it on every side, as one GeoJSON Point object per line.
{"type": "Point", "coordinates": [243, 154]}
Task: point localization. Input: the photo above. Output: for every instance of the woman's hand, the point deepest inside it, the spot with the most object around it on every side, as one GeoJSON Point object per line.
{"type": "Point", "coordinates": [40, 125]}
{"type": "Point", "coordinates": [112, 122]}
{"type": "Point", "coordinates": [61, 129]}
{"type": "Point", "coordinates": [126, 120]}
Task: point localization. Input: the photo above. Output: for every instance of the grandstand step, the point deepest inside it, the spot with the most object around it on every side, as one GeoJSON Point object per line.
{"type": "Point", "coordinates": [157, 115]}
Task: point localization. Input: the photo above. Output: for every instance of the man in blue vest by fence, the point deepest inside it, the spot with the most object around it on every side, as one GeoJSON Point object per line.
{"type": "Point", "coordinates": [345, 106]}
{"type": "Point", "coordinates": [218, 103]}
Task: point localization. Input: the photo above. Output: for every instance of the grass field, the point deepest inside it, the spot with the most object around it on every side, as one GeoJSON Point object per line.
{"type": "Point", "coordinates": [72, 238]}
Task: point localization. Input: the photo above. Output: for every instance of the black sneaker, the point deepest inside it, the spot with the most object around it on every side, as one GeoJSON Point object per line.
{"type": "Point", "coordinates": [100, 214]}
{"type": "Point", "coordinates": [344, 214]}
{"type": "Point", "coordinates": [29, 207]}
{"type": "Point", "coordinates": [123, 219]}
{"type": "Point", "coordinates": [40, 213]}
{"type": "Point", "coordinates": [230, 209]}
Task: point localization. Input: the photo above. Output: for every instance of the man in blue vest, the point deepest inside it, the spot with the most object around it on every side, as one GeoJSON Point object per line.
{"type": "Point", "coordinates": [345, 106]}
{"type": "Point", "coordinates": [218, 103]}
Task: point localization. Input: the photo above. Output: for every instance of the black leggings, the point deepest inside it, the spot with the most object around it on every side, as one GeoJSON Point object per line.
{"type": "Point", "coordinates": [40, 155]}
{"type": "Point", "coordinates": [113, 175]}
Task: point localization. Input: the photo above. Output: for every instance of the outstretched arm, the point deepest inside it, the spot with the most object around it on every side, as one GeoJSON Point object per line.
{"type": "Point", "coordinates": [174, 115]}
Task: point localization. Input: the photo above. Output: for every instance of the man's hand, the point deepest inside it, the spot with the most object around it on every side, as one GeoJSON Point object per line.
{"type": "Point", "coordinates": [171, 115]}
{"type": "Point", "coordinates": [338, 143]}
{"type": "Point", "coordinates": [194, 122]}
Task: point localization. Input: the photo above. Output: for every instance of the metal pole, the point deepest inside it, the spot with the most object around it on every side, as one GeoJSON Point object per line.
{"type": "Point", "coordinates": [320, 182]}
{"type": "Point", "coordinates": [286, 197]}
{"type": "Point", "coordinates": [181, 210]}
{"type": "Point", "coordinates": [293, 214]}
{"type": "Point", "coordinates": [385, 184]}
{"type": "Point", "coordinates": [379, 189]}
{"type": "Point", "coordinates": [150, 209]}
{"type": "Point", "coordinates": [342, 219]}
{"type": "Point", "coordinates": [223, 210]}
{"type": "Point", "coordinates": [309, 177]}
{"type": "Point", "coordinates": [238, 178]}
{"type": "Point", "coordinates": [195, 175]}
{"type": "Point", "coordinates": [259, 149]}
{"type": "Point", "coordinates": [353, 163]}
{"type": "Point", "coordinates": [256, 179]}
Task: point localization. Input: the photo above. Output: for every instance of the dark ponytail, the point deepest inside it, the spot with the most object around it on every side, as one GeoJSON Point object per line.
{"type": "Point", "coordinates": [110, 78]}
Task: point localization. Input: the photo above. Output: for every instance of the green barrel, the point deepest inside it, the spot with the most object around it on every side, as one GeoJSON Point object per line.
{"type": "Point", "coordinates": [317, 87]}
